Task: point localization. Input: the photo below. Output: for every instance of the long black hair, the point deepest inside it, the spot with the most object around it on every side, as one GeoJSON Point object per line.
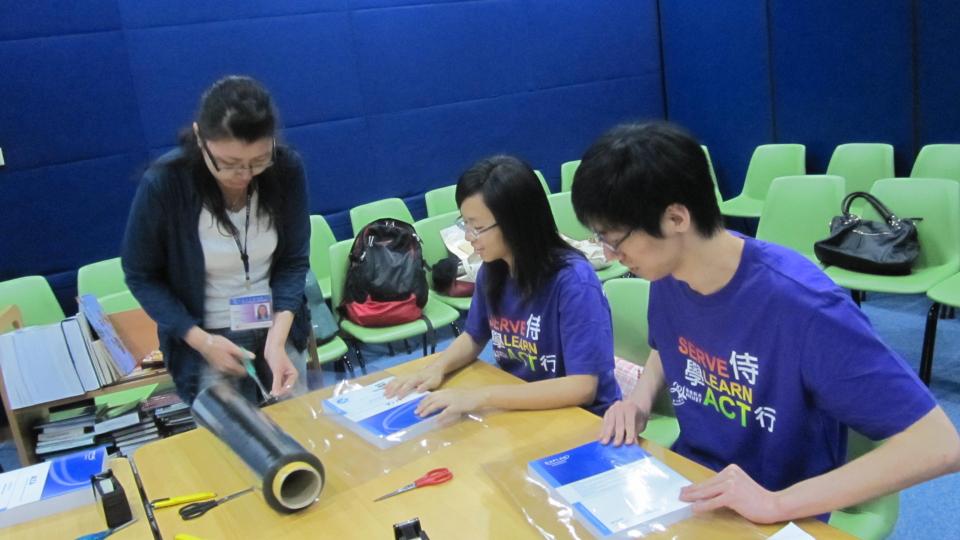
{"type": "Point", "coordinates": [236, 107]}
{"type": "Point", "coordinates": [514, 195]}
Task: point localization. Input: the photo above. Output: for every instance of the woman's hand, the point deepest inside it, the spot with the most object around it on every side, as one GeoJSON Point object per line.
{"type": "Point", "coordinates": [424, 380]}
{"type": "Point", "coordinates": [285, 375]}
{"type": "Point", "coordinates": [223, 355]}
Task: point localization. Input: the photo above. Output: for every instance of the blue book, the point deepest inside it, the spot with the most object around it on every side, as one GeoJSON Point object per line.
{"type": "Point", "coordinates": [615, 492]}
{"type": "Point", "coordinates": [380, 421]}
{"type": "Point", "coordinates": [121, 357]}
{"type": "Point", "coordinates": [40, 490]}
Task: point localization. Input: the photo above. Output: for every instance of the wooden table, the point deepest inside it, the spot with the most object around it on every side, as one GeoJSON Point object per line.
{"type": "Point", "coordinates": [473, 505]}
{"type": "Point", "coordinates": [87, 519]}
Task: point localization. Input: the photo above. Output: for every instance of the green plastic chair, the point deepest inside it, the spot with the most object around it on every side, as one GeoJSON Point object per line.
{"type": "Point", "coordinates": [101, 278]}
{"type": "Point", "coordinates": [937, 161]}
{"type": "Point", "coordinates": [33, 295]}
{"type": "Point", "coordinates": [394, 208]}
{"type": "Point", "coordinates": [628, 298]}
{"type": "Point", "coordinates": [936, 201]}
{"type": "Point", "coordinates": [944, 294]}
{"type": "Point", "coordinates": [861, 164]}
{"type": "Point", "coordinates": [436, 311]}
{"type": "Point", "coordinates": [769, 161]}
{"type": "Point", "coordinates": [441, 200]}
{"type": "Point", "coordinates": [798, 210]}
{"type": "Point", "coordinates": [873, 519]}
{"type": "Point", "coordinates": [321, 238]}
{"type": "Point", "coordinates": [713, 175]}
{"type": "Point", "coordinates": [335, 349]}
{"type": "Point", "coordinates": [434, 250]}
{"type": "Point", "coordinates": [543, 181]}
{"type": "Point", "coordinates": [561, 206]}
{"type": "Point", "coordinates": [116, 302]}
{"type": "Point", "coordinates": [567, 171]}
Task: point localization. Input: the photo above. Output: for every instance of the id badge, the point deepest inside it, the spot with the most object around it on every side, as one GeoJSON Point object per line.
{"type": "Point", "coordinates": [251, 312]}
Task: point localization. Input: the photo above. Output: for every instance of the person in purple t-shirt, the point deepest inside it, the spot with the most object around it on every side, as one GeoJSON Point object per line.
{"type": "Point", "coordinates": [766, 360]}
{"type": "Point", "coordinates": [536, 298]}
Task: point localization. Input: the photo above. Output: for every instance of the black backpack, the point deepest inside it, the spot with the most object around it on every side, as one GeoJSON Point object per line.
{"type": "Point", "coordinates": [386, 280]}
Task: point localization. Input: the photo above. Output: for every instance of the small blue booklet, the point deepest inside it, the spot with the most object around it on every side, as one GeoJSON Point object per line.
{"type": "Point", "coordinates": [615, 492]}
{"type": "Point", "coordinates": [54, 486]}
{"type": "Point", "coordinates": [380, 421]}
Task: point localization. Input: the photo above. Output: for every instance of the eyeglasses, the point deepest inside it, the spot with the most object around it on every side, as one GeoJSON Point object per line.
{"type": "Point", "coordinates": [471, 232]}
{"type": "Point", "coordinates": [613, 247]}
{"type": "Point", "coordinates": [255, 167]}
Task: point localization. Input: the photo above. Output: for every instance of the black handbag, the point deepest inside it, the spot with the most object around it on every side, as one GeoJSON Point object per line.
{"type": "Point", "coordinates": [888, 247]}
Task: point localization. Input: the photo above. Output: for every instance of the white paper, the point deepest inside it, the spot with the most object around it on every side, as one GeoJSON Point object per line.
{"type": "Point", "coordinates": [791, 532]}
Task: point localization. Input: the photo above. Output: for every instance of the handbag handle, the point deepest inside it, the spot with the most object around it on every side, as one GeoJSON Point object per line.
{"type": "Point", "coordinates": [881, 208]}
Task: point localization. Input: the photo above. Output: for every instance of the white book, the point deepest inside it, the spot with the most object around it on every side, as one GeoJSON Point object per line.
{"type": "Point", "coordinates": [48, 488]}
{"type": "Point", "coordinates": [80, 354]}
{"type": "Point", "coordinates": [380, 421]}
{"type": "Point", "coordinates": [38, 368]}
{"type": "Point", "coordinates": [88, 341]}
{"type": "Point", "coordinates": [615, 492]}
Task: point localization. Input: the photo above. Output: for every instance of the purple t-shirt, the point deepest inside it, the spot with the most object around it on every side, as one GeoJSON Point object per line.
{"type": "Point", "coordinates": [564, 329]}
{"type": "Point", "coordinates": [767, 371]}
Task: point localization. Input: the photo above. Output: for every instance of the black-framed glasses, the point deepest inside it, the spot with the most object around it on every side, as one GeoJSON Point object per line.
{"type": "Point", "coordinates": [613, 247]}
{"type": "Point", "coordinates": [471, 232]}
{"type": "Point", "coordinates": [255, 167]}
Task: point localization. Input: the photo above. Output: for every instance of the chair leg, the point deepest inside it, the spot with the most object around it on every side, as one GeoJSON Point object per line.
{"type": "Point", "coordinates": [390, 348]}
{"type": "Point", "coordinates": [423, 340]}
{"type": "Point", "coordinates": [856, 296]}
{"type": "Point", "coordinates": [406, 345]}
{"type": "Point", "coordinates": [947, 312]}
{"type": "Point", "coordinates": [359, 354]}
{"type": "Point", "coordinates": [456, 329]}
{"type": "Point", "coordinates": [929, 339]}
{"type": "Point", "coordinates": [347, 364]}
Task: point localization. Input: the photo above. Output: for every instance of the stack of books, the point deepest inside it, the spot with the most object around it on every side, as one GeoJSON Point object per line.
{"type": "Point", "coordinates": [121, 428]}
{"type": "Point", "coordinates": [172, 415]}
{"type": "Point", "coordinates": [66, 431]}
{"type": "Point", "coordinates": [63, 360]}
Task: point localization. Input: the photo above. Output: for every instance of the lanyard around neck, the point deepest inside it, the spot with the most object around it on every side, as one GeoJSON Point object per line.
{"type": "Point", "coordinates": [244, 256]}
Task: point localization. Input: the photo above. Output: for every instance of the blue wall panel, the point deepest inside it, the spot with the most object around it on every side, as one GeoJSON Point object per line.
{"type": "Point", "coordinates": [37, 18]}
{"type": "Point", "coordinates": [939, 71]}
{"type": "Point", "coordinates": [305, 61]}
{"type": "Point", "coordinates": [65, 99]}
{"type": "Point", "coordinates": [449, 53]}
{"type": "Point", "coordinates": [717, 79]}
{"type": "Point", "coordinates": [149, 13]}
{"type": "Point", "coordinates": [74, 213]}
{"type": "Point", "coordinates": [572, 41]}
{"type": "Point", "coordinates": [842, 73]}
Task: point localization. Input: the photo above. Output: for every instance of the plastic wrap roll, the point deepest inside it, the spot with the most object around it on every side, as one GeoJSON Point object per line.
{"type": "Point", "coordinates": [292, 476]}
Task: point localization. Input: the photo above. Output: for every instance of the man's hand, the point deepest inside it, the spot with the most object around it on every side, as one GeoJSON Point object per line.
{"type": "Point", "coordinates": [734, 489]}
{"type": "Point", "coordinates": [452, 402]}
{"type": "Point", "coordinates": [424, 380]}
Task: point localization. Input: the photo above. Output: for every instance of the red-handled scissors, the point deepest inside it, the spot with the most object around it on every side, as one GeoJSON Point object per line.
{"type": "Point", "coordinates": [432, 478]}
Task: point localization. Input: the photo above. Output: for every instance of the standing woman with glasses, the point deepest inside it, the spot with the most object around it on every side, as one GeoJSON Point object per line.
{"type": "Point", "coordinates": [218, 227]}
{"type": "Point", "coordinates": [537, 299]}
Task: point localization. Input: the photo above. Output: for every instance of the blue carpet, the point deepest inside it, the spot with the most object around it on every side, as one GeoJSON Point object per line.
{"type": "Point", "coordinates": [927, 511]}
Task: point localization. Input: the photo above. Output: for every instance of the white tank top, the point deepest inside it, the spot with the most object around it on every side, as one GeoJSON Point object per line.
{"type": "Point", "coordinates": [225, 277]}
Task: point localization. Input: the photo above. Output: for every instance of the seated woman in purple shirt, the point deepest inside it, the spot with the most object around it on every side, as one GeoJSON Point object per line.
{"type": "Point", "coordinates": [536, 298]}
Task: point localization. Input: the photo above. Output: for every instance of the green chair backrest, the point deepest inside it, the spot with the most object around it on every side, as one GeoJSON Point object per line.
{"type": "Point", "coordinates": [339, 254]}
{"type": "Point", "coordinates": [798, 210]}
{"type": "Point", "coordinates": [441, 200]}
{"type": "Point", "coordinates": [394, 208]}
{"type": "Point", "coordinates": [116, 302]}
{"type": "Point", "coordinates": [321, 238]}
{"type": "Point", "coordinates": [936, 201]}
{"type": "Point", "coordinates": [628, 298]}
{"type": "Point", "coordinates": [567, 171]}
{"type": "Point", "coordinates": [34, 297]}
{"type": "Point", "coordinates": [937, 161]}
{"type": "Point", "coordinates": [861, 164]}
{"type": "Point", "coordinates": [561, 206]}
{"type": "Point", "coordinates": [873, 519]}
{"type": "Point", "coordinates": [429, 231]}
{"type": "Point", "coordinates": [101, 278]}
{"type": "Point", "coordinates": [543, 181]}
{"type": "Point", "coordinates": [713, 174]}
{"type": "Point", "coordinates": [771, 161]}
